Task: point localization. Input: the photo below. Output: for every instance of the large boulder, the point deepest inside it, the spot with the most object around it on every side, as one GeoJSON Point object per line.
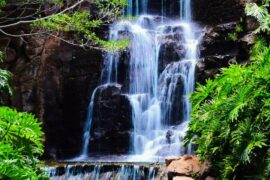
{"type": "Point", "coordinates": [111, 125]}
{"type": "Point", "coordinates": [187, 165]}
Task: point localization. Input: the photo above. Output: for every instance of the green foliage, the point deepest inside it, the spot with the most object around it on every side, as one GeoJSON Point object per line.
{"type": "Point", "coordinates": [261, 14]}
{"type": "Point", "coordinates": [2, 3]}
{"type": "Point", "coordinates": [231, 114]}
{"type": "Point", "coordinates": [84, 24]}
{"type": "Point", "coordinates": [231, 118]}
{"type": "Point", "coordinates": [234, 36]}
{"type": "Point", "coordinates": [20, 145]}
{"type": "Point", "coordinates": [114, 46]}
{"type": "Point", "coordinates": [77, 22]}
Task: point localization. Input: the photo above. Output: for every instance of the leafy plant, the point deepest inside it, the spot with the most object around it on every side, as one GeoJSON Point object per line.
{"type": "Point", "coordinates": [231, 118]}
{"type": "Point", "coordinates": [260, 12]}
{"type": "Point", "coordinates": [231, 114]}
{"type": "Point", "coordinates": [20, 145]}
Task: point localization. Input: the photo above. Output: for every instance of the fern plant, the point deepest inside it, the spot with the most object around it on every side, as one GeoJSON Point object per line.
{"type": "Point", "coordinates": [231, 114]}
{"type": "Point", "coordinates": [231, 117]}
{"type": "Point", "coordinates": [20, 145]}
{"type": "Point", "coordinates": [261, 14]}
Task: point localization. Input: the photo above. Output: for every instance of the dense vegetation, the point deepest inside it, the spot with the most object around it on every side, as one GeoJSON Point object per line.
{"type": "Point", "coordinates": [231, 114]}
{"type": "Point", "coordinates": [20, 145]}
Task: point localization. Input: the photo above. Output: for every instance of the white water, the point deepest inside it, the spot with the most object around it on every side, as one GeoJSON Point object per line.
{"type": "Point", "coordinates": [151, 94]}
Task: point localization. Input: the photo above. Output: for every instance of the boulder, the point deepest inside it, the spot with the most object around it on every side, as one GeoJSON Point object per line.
{"type": "Point", "coordinates": [184, 166]}
{"type": "Point", "coordinates": [168, 160]}
{"type": "Point", "coordinates": [111, 121]}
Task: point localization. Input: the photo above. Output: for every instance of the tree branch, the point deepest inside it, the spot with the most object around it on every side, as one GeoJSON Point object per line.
{"type": "Point", "coordinates": [43, 18]}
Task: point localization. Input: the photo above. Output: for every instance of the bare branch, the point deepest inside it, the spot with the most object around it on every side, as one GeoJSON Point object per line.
{"type": "Point", "coordinates": [43, 18]}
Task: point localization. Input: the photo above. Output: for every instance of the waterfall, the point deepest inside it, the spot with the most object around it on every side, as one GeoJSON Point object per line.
{"type": "Point", "coordinates": [158, 95]}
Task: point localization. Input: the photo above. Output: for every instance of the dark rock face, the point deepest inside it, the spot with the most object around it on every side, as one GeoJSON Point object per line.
{"type": "Point", "coordinates": [111, 125]}
{"type": "Point", "coordinates": [172, 47]}
{"type": "Point", "coordinates": [54, 81]}
{"type": "Point", "coordinates": [217, 11]}
{"type": "Point", "coordinates": [218, 50]}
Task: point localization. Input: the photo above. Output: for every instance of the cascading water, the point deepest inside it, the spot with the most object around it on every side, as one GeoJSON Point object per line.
{"type": "Point", "coordinates": [158, 96]}
{"type": "Point", "coordinates": [157, 86]}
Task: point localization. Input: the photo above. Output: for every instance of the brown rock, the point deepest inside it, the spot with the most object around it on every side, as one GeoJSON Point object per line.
{"type": "Point", "coordinates": [182, 178]}
{"type": "Point", "coordinates": [187, 165]}
{"type": "Point", "coordinates": [168, 160]}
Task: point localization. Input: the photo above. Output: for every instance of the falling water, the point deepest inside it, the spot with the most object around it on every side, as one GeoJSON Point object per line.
{"type": "Point", "coordinates": [140, 7]}
{"type": "Point", "coordinates": [87, 126]}
{"type": "Point", "coordinates": [157, 132]}
{"type": "Point", "coordinates": [185, 10]}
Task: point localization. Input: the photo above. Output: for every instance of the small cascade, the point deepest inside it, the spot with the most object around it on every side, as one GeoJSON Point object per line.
{"type": "Point", "coordinates": [104, 172]}
{"type": "Point", "coordinates": [87, 126]}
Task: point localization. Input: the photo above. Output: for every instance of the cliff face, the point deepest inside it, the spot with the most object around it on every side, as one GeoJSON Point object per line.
{"type": "Point", "coordinates": [55, 81]}
{"type": "Point", "coordinates": [228, 35]}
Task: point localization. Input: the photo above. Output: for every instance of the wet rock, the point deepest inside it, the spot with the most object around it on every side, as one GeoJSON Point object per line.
{"type": "Point", "coordinates": [111, 121]}
{"type": "Point", "coordinates": [217, 50]}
